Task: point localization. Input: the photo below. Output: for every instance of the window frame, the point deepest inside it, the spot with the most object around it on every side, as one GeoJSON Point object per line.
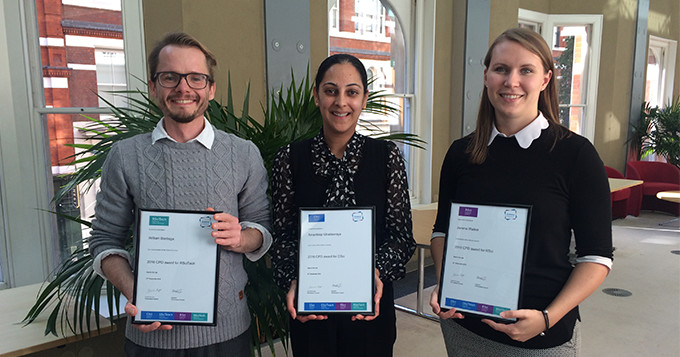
{"type": "Point", "coordinates": [418, 30]}
{"type": "Point", "coordinates": [547, 22]}
{"type": "Point", "coordinates": [28, 242]}
{"type": "Point", "coordinates": [666, 80]}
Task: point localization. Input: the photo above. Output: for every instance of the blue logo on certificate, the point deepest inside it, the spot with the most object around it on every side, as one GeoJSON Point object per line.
{"type": "Point", "coordinates": [358, 216]}
{"type": "Point", "coordinates": [159, 220]}
{"type": "Point", "coordinates": [317, 217]}
{"type": "Point", "coordinates": [205, 221]}
{"type": "Point", "coordinates": [510, 214]}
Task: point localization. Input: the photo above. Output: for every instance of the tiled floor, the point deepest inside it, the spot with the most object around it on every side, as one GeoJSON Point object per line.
{"type": "Point", "coordinates": [646, 323]}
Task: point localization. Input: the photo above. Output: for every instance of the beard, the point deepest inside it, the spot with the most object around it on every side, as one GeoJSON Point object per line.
{"type": "Point", "coordinates": [181, 116]}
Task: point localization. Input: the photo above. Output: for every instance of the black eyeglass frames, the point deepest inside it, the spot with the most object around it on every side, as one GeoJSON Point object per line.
{"type": "Point", "coordinates": [172, 79]}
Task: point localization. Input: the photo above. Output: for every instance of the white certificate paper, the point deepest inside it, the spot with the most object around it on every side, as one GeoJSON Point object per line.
{"type": "Point", "coordinates": [484, 258]}
{"type": "Point", "coordinates": [176, 271]}
{"type": "Point", "coordinates": [336, 268]}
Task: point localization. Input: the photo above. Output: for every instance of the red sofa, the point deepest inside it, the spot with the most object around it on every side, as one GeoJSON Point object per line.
{"type": "Point", "coordinates": [620, 198]}
{"type": "Point", "coordinates": [657, 176]}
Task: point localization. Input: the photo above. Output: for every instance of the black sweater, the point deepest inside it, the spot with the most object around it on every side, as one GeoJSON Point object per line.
{"type": "Point", "coordinates": [568, 189]}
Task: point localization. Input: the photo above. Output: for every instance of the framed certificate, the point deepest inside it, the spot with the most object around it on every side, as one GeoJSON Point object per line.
{"type": "Point", "coordinates": [336, 266]}
{"type": "Point", "coordinates": [483, 261]}
{"type": "Point", "coordinates": [176, 271]}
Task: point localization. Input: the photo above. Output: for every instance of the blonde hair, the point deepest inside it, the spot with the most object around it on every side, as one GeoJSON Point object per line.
{"type": "Point", "coordinates": [181, 39]}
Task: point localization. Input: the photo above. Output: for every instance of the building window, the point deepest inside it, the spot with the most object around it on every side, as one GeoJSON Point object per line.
{"type": "Point", "coordinates": [111, 76]}
{"type": "Point", "coordinates": [661, 56]}
{"type": "Point", "coordinates": [333, 16]}
{"type": "Point", "coordinates": [370, 18]}
{"type": "Point", "coordinates": [83, 57]}
{"type": "Point", "coordinates": [65, 53]}
{"type": "Point", "coordinates": [378, 41]}
{"type": "Point", "coordinates": [575, 44]}
{"type": "Point", "coordinates": [569, 53]}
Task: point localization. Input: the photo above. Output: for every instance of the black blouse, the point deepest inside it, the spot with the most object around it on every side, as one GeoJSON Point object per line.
{"type": "Point", "coordinates": [396, 249]}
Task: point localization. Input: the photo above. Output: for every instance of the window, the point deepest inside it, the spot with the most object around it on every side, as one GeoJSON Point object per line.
{"type": "Point", "coordinates": [111, 76]}
{"type": "Point", "coordinates": [62, 54]}
{"type": "Point", "coordinates": [369, 18]}
{"type": "Point", "coordinates": [575, 43]}
{"type": "Point", "coordinates": [660, 71]}
{"type": "Point", "coordinates": [333, 16]}
{"type": "Point", "coordinates": [570, 59]}
{"type": "Point", "coordinates": [373, 33]}
{"type": "Point", "coordinates": [83, 61]}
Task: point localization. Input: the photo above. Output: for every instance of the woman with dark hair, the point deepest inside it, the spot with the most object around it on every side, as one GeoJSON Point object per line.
{"type": "Point", "coordinates": [520, 154]}
{"type": "Point", "coordinates": [342, 168]}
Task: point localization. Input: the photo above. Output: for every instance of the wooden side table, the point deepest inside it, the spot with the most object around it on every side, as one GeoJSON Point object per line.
{"type": "Point", "coordinates": [671, 196]}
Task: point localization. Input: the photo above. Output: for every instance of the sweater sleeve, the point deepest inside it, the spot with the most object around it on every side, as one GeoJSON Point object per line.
{"type": "Point", "coordinates": [114, 210]}
{"type": "Point", "coordinates": [447, 186]}
{"type": "Point", "coordinates": [253, 205]}
{"type": "Point", "coordinates": [590, 204]}
{"type": "Point", "coordinates": [399, 245]}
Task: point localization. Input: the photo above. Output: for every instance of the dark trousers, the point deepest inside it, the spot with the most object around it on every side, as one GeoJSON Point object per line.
{"type": "Point", "coordinates": [339, 336]}
{"type": "Point", "coordinates": [238, 346]}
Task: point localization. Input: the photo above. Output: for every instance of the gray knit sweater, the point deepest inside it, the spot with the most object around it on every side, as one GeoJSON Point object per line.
{"type": "Point", "coordinates": [229, 177]}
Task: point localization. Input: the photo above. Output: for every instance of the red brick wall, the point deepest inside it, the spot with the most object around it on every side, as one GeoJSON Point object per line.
{"type": "Point", "coordinates": [346, 11]}
{"type": "Point", "coordinates": [82, 84]}
{"type": "Point", "coordinates": [82, 55]}
{"type": "Point", "coordinates": [363, 45]}
{"type": "Point", "coordinates": [83, 89]}
{"type": "Point", "coordinates": [92, 15]}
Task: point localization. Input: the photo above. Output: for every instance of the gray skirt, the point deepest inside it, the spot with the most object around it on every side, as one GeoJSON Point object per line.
{"type": "Point", "coordinates": [463, 343]}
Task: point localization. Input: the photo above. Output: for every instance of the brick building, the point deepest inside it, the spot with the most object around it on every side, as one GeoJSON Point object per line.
{"type": "Point", "coordinates": [81, 49]}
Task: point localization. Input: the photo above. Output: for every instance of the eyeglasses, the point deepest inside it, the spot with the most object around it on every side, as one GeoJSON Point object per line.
{"type": "Point", "coordinates": [172, 79]}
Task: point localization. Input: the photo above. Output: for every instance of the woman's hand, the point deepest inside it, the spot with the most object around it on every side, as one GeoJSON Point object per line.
{"type": "Point", "coordinates": [434, 303]}
{"type": "Point", "coordinates": [529, 324]}
{"type": "Point", "coordinates": [131, 310]}
{"type": "Point", "coordinates": [290, 304]}
{"type": "Point", "coordinates": [376, 299]}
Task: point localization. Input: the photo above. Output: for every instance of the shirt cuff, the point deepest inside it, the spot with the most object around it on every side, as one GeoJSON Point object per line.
{"type": "Point", "coordinates": [437, 235]}
{"type": "Point", "coordinates": [97, 262]}
{"type": "Point", "coordinates": [266, 240]}
{"type": "Point", "coordinates": [596, 259]}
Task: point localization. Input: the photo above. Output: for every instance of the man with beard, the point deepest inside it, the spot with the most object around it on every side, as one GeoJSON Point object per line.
{"type": "Point", "coordinates": [184, 164]}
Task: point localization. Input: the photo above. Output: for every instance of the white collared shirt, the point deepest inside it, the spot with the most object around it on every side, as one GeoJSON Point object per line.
{"type": "Point", "coordinates": [206, 137]}
{"type": "Point", "coordinates": [527, 135]}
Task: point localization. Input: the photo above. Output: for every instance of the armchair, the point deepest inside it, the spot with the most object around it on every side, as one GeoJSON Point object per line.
{"type": "Point", "coordinates": [620, 198]}
{"type": "Point", "coordinates": [657, 176]}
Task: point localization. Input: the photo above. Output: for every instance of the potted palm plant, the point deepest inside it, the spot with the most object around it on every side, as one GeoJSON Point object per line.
{"type": "Point", "coordinates": [658, 132]}
{"type": "Point", "coordinates": [289, 117]}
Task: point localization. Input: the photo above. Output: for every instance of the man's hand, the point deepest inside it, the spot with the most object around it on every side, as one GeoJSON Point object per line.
{"type": "Point", "coordinates": [228, 233]}
{"type": "Point", "coordinates": [131, 310]}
